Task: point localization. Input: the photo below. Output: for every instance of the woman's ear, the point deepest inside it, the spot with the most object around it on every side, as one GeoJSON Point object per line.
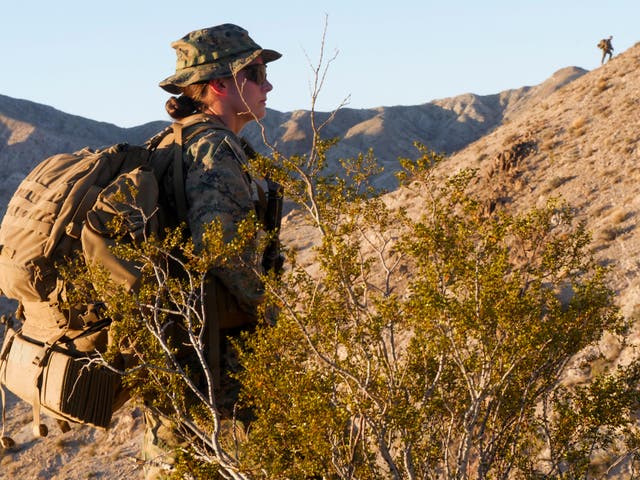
{"type": "Point", "coordinates": [219, 86]}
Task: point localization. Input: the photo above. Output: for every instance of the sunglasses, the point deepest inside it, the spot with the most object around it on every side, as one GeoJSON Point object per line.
{"type": "Point", "coordinates": [256, 73]}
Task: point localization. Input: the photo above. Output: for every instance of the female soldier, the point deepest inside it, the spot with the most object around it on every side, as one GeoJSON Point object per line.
{"type": "Point", "coordinates": [221, 79]}
{"type": "Point", "coordinates": [221, 73]}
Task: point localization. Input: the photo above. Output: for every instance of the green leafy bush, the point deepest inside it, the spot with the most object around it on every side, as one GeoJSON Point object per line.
{"type": "Point", "coordinates": [434, 345]}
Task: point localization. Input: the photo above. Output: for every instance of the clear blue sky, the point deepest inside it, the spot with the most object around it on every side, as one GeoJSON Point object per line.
{"type": "Point", "coordinates": [103, 60]}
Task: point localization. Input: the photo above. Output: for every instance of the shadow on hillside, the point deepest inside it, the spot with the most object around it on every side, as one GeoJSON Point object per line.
{"type": "Point", "coordinates": [5, 135]}
{"type": "Point", "coordinates": [390, 132]}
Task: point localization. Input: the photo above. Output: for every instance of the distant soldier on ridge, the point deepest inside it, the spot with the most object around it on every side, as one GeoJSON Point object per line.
{"type": "Point", "coordinates": [606, 47]}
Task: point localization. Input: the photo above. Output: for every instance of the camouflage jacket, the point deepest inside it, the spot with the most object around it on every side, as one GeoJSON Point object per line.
{"type": "Point", "coordinates": [217, 186]}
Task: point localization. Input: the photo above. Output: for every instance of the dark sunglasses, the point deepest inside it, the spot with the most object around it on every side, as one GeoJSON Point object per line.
{"type": "Point", "coordinates": [256, 73]}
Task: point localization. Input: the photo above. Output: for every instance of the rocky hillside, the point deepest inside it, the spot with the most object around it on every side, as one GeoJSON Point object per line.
{"type": "Point", "coordinates": [576, 136]}
{"type": "Point", "coordinates": [581, 143]}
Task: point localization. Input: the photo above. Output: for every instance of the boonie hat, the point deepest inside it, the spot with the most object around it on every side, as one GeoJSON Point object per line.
{"type": "Point", "coordinates": [214, 52]}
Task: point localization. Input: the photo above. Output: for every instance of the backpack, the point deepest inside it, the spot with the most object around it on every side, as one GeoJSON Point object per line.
{"type": "Point", "coordinates": [47, 362]}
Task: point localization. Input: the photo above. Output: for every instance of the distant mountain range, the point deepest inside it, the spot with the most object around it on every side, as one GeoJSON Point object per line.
{"type": "Point", "coordinates": [30, 132]}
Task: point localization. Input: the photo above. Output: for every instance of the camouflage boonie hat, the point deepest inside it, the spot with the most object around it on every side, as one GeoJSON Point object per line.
{"type": "Point", "coordinates": [213, 52]}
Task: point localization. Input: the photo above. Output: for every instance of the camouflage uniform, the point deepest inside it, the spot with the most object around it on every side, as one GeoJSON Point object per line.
{"type": "Point", "coordinates": [217, 186]}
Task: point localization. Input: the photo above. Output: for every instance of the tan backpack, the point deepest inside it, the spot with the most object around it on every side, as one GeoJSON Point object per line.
{"type": "Point", "coordinates": [47, 362]}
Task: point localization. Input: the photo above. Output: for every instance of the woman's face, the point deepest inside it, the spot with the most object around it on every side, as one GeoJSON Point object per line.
{"type": "Point", "coordinates": [251, 89]}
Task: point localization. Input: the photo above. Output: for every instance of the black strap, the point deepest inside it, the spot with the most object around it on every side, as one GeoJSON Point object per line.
{"type": "Point", "coordinates": [178, 174]}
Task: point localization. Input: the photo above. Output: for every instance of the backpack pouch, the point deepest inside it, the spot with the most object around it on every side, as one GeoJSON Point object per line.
{"type": "Point", "coordinates": [61, 385]}
{"type": "Point", "coordinates": [129, 202]}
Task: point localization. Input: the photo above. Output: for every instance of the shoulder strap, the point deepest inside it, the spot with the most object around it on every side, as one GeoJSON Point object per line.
{"type": "Point", "coordinates": [178, 174]}
{"type": "Point", "coordinates": [183, 132]}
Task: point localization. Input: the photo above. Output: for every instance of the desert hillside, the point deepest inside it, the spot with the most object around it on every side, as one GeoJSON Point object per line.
{"type": "Point", "coordinates": [575, 136]}
{"type": "Point", "coordinates": [582, 143]}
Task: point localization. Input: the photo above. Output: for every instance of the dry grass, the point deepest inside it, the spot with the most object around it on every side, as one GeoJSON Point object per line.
{"type": "Point", "coordinates": [60, 444]}
{"type": "Point", "coordinates": [602, 85]}
{"type": "Point", "coordinates": [556, 182]}
{"type": "Point", "coordinates": [8, 465]}
{"type": "Point", "coordinates": [609, 234]}
{"type": "Point", "coordinates": [619, 215]}
{"type": "Point", "coordinates": [578, 126]}
{"type": "Point", "coordinates": [599, 211]}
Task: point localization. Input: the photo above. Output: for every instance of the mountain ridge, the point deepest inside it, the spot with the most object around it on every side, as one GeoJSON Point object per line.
{"type": "Point", "coordinates": [30, 131]}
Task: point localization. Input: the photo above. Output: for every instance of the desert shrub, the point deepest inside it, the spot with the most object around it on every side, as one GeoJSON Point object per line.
{"type": "Point", "coordinates": [578, 126]}
{"type": "Point", "coordinates": [433, 346]}
{"type": "Point", "coordinates": [557, 182]}
{"type": "Point", "coordinates": [620, 215]}
{"type": "Point", "coordinates": [429, 342]}
{"type": "Point", "coordinates": [610, 233]}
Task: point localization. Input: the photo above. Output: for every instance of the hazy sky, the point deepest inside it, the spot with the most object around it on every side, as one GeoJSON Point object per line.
{"type": "Point", "coordinates": [103, 60]}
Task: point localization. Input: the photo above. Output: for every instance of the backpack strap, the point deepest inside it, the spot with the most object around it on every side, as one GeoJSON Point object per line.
{"type": "Point", "coordinates": [178, 171]}
{"type": "Point", "coordinates": [40, 429]}
{"type": "Point", "coordinates": [178, 174]}
{"type": "Point", "coordinates": [181, 133]}
{"type": "Point", "coordinates": [195, 125]}
{"type": "Point", "coordinates": [5, 442]}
